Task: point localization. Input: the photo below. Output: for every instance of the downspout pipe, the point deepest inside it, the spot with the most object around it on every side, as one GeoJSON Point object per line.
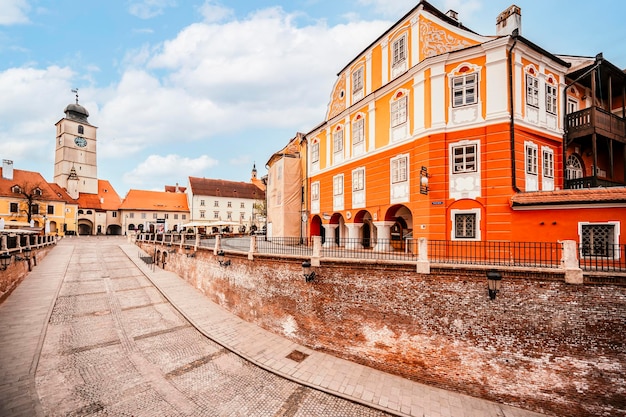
{"type": "Point", "coordinates": [514, 36]}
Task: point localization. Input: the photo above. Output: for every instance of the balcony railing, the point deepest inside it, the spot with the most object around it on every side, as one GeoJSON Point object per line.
{"type": "Point", "coordinates": [591, 182]}
{"type": "Point", "coordinates": [586, 121]}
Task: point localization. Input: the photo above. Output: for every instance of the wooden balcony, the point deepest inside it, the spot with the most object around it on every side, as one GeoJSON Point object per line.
{"type": "Point", "coordinates": [594, 119]}
{"type": "Point", "coordinates": [590, 182]}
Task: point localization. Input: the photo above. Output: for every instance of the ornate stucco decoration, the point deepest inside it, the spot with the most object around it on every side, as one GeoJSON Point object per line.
{"type": "Point", "coordinates": [436, 40]}
{"type": "Point", "coordinates": [338, 100]}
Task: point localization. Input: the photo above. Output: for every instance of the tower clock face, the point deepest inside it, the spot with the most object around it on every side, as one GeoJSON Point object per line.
{"type": "Point", "coordinates": [80, 141]}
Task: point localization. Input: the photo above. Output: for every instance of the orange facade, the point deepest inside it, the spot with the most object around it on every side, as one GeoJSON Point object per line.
{"type": "Point", "coordinates": [433, 130]}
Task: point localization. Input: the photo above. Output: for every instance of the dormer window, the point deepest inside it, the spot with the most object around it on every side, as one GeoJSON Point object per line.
{"type": "Point", "coordinates": [16, 189]}
{"type": "Point", "coordinates": [37, 191]}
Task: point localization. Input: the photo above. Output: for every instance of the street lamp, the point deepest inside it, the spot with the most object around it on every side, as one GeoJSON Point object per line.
{"type": "Point", "coordinates": [493, 283]}
{"type": "Point", "coordinates": [220, 258]}
{"type": "Point", "coordinates": [306, 271]}
{"type": "Point", "coordinates": [5, 260]}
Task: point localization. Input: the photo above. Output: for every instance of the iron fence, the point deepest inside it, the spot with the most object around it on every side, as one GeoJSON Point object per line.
{"type": "Point", "coordinates": [286, 246]}
{"type": "Point", "coordinates": [524, 254]}
{"type": "Point", "coordinates": [377, 249]}
{"type": "Point", "coordinates": [605, 257]}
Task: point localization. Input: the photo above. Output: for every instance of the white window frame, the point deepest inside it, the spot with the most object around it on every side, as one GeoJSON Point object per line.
{"type": "Point", "coordinates": [531, 158]}
{"type": "Point", "coordinates": [338, 185]}
{"type": "Point", "coordinates": [315, 152]}
{"type": "Point", "coordinates": [615, 243]}
{"type": "Point", "coordinates": [465, 158]}
{"type": "Point", "coordinates": [357, 81]}
{"type": "Point", "coordinates": [358, 131]}
{"type": "Point", "coordinates": [338, 141]}
{"type": "Point", "coordinates": [399, 51]}
{"type": "Point", "coordinates": [551, 98]}
{"type": "Point", "coordinates": [399, 169]}
{"type": "Point", "coordinates": [477, 233]}
{"type": "Point", "coordinates": [315, 191]}
{"type": "Point", "coordinates": [467, 87]}
{"type": "Point", "coordinates": [358, 179]}
{"type": "Point", "coordinates": [572, 105]}
{"type": "Point", "coordinates": [532, 90]}
{"type": "Point", "coordinates": [548, 162]}
{"type": "Point", "coordinates": [399, 111]}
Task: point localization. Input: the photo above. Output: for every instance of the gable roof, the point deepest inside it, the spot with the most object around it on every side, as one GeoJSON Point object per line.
{"type": "Point", "coordinates": [155, 201]}
{"type": "Point", "coordinates": [61, 193]}
{"type": "Point", "coordinates": [106, 199]}
{"type": "Point", "coordinates": [570, 197]}
{"type": "Point", "coordinates": [223, 188]}
{"type": "Point", "coordinates": [28, 179]}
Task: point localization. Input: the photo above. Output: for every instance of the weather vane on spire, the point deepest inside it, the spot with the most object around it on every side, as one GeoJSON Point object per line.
{"type": "Point", "coordinates": [75, 90]}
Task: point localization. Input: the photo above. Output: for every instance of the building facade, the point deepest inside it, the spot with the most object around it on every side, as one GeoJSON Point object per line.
{"type": "Point", "coordinates": [76, 172]}
{"type": "Point", "coordinates": [153, 211]}
{"type": "Point", "coordinates": [435, 131]}
{"type": "Point", "coordinates": [287, 213]}
{"type": "Point", "coordinates": [224, 204]}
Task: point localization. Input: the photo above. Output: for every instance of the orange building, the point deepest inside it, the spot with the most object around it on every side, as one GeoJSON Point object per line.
{"type": "Point", "coordinates": [436, 131]}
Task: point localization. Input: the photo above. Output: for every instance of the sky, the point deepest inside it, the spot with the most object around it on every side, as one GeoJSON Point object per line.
{"type": "Point", "coordinates": [208, 88]}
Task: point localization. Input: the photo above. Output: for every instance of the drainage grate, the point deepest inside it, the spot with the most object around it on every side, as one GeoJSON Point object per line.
{"type": "Point", "coordinates": [297, 356]}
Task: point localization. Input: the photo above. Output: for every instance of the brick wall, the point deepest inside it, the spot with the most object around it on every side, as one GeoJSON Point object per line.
{"type": "Point", "coordinates": [17, 270]}
{"type": "Point", "coordinates": [542, 344]}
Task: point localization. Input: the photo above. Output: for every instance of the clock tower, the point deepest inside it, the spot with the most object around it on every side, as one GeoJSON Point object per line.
{"type": "Point", "coordinates": [75, 163]}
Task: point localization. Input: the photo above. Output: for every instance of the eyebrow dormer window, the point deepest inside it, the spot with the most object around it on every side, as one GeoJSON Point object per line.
{"type": "Point", "coordinates": [16, 189]}
{"type": "Point", "coordinates": [37, 191]}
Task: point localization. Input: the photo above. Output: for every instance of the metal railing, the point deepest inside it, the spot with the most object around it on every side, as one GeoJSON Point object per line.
{"type": "Point", "coordinates": [605, 258]}
{"type": "Point", "coordinates": [524, 254]}
{"type": "Point", "coordinates": [611, 258]}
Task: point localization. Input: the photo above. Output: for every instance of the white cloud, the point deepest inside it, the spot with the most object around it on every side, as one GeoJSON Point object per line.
{"type": "Point", "coordinates": [164, 170]}
{"type": "Point", "coordinates": [213, 12]}
{"type": "Point", "coordinates": [13, 12]}
{"type": "Point", "coordinates": [147, 9]}
{"type": "Point", "coordinates": [390, 9]}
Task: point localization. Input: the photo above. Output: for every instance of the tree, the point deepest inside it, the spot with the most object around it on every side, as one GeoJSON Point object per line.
{"type": "Point", "coordinates": [32, 195]}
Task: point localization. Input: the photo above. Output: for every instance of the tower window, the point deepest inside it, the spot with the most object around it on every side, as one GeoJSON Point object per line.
{"type": "Point", "coordinates": [81, 129]}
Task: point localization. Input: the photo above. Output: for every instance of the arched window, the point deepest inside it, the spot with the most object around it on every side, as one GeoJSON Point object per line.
{"type": "Point", "coordinates": [573, 167]}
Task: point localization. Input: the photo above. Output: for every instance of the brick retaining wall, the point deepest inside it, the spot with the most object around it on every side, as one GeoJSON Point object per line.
{"type": "Point", "coordinates": [542, 344]}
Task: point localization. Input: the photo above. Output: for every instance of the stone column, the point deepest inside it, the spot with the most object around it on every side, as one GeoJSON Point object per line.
{"type": "Point", "coordinates": [569, 262]}
{"type": "Point", "coordinates": [353, 236]}
{"type": "Point", "coordinates": [317, 250]}
{"type": "Point", "coordinates": [383, 233]}
{"type": "Point", "coordinates": [330, 235]}
{"type": "Point", "coordinates": [253, 247]}
{"type": "Point", "coordinates": [423, 265]}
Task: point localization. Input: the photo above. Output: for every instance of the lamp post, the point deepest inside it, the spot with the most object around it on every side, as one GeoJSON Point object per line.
{"type": "Point", "coordinates": [5, 260]}
{"type": "Point", "coordinates": [493, 283]}
{"type": "Point", "coordinates": [306, 271]}
{"type": "Point", "coordinates": [220, 258]}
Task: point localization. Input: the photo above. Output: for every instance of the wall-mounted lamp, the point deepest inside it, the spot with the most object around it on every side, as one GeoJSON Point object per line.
{"type": "Point", "coordinates": [306, 271]}
{"type": "Point", "coordinates": [5, 260]}
{"type": "Point", "coordinates": [189, 252]}
{"type": "Point", "coordinates": [424, 176]}
{"type": "Point", "coordinates": [493, 283]}
{"type": "Point", "coordinates": [26, 257]}
{"type": "Point", "coordinates": [220, 258]}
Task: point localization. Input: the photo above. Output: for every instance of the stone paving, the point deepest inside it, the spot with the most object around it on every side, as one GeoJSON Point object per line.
{"type": "Point", "coordinates": [93, 331]}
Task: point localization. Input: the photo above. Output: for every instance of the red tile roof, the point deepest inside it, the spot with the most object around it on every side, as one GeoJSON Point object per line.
{"type": "Point", "coordinates": [106, 199]}
{"type": "Point", "coordinates": [28, 180]}
{"type": "Point", "coordinates": [564, 197]}
{"type": "Point", "coordinates": [223, 188]}
{"type": "Point", "coordinates": [155, 201]}
{"type": "Point", "coordinates": [175, 188]}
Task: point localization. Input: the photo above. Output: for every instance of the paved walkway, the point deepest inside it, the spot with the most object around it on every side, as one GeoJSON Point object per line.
{"type": "Point", "coordinates": [24, 316]}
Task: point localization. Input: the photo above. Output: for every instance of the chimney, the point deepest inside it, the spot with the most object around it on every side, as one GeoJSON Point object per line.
{"type": "Point", "coordinates": [508, 21]}
{"type": "Point", "coordinates": [452, 14]}
{"type": "Point", "coordinates": [7, 169]}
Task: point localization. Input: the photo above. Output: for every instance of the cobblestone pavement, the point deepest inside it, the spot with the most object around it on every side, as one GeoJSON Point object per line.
{"type": "Point", "coordinates": [116, 347]}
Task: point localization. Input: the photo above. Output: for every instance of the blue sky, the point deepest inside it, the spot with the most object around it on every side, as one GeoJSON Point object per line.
{"type": "Point", "coordinates": [182, 88]}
